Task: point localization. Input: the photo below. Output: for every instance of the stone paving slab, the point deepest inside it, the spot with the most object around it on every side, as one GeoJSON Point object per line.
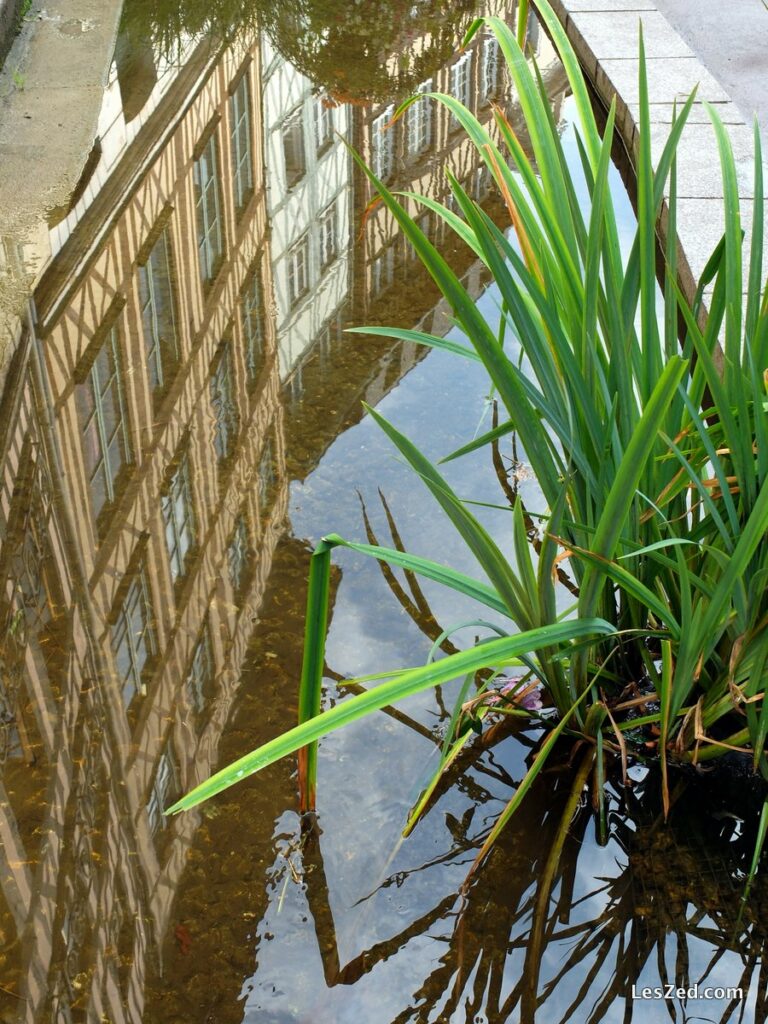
{"type": "Point", "coordinates": [700, 226]}
{"type": "Point", "coordinates": [616, 34]}
{"type": "Point", "coordinates": [670, 79]}
{"type": "Point", "coordinates": [51, 89]}
{"type": "Point", "coordinates": [730, 38]}
{"type": "Point", "coordinates": [604, 34]}
{"type": "Point", "coordinates": [661, 113]}
{"type": "Point", "coordinates": [604, 5]}
{"type": "Point", "coordinates": [699, 174]}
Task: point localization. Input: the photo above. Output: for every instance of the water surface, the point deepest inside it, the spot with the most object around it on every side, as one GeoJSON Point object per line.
{"type": "Point", "coordinates": [182, 423]}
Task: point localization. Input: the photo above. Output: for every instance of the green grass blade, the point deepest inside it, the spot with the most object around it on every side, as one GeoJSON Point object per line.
{"type": "Point", "coordinates": [471, 588]}
{"type": "Point", "coordinates": [419, 338]}
{"type": "Point", "coordinates": [623, 490]}
{"type": "Point", "coordinates": [479, 442]}
{"type": "Point", "coordinates": [311, 687]}
{"type": "Point", "coordinates": [475, 536]}
{"type": "Point", "coordinates": [495, 653]}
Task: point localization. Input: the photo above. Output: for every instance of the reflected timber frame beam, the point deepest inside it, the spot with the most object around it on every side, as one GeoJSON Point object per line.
{"type": "Point", "coordinates": [15, 877]}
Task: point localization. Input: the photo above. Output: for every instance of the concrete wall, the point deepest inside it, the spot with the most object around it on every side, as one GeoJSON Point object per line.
{"type": "Point", "coordinates": [9, 16]}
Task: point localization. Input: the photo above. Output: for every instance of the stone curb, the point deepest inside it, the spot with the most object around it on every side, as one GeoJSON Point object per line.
{"type": "Point", "coordinates": [9, 17]}
{"type": "Point", "coordinates": [605, 34]}
{"type": "Point", "coordinates": [51, 90]}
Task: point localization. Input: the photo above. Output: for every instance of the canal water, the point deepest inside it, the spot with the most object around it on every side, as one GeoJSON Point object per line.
{"type": "Point", "coordinates": [181, 422]}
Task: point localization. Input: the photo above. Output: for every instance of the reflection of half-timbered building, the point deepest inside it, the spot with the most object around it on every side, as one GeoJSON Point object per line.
{"type": "Point", "coordinates": [417, 152]}
{"type": "Point", "coordinates": [143, 493]}
{"type": "Point", "coordinates": [309, 204]}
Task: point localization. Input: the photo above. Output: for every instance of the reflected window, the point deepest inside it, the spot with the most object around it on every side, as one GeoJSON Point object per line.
{"type": "Point", "coordinates": [420, 122]}
{"type": "Point", "coordinates": [267, 475]}
{"type": "Point", "coordinates": [491, 74]}
{"type": "Point", "coordinates": [242, 164]}
{"type": "Point", "coordinates": [166, 790]}
{"type": "Point", "coordinates": [293, 149]}
{"type": "Point", "coordinates": [252, 310]}
{"type": "Point", "coordinates": [461, 82]}
{"type": "Point", "coordinates": [323, 122]}
{"type": "Point", "coordinates": [199, 682]}
{"type": "Point", "coordinates": [383, 270]}
{"type": "Point", "coordinates": [238, 554]}
{"type": "Point", "coordinates": [298, 270]}
{"type": "Point", "coordinates": [133, 637]}
{"type": "Point", "coordinates": [225, 411]}
{"type": "Point", "coordinates": [158, 314]}
{"type": "Point", "coordinates": [104, 423]}
{"type": "Point", "coordinates": [424, 224]}
{"type": "Point", "coordinates": [382, 145]}
{"type": "Point", "coordinates": [179, 518]}
{"type": "Point", "coordinates": [328, 247]}
{"type": "Point", "coordinates": [208, 207]}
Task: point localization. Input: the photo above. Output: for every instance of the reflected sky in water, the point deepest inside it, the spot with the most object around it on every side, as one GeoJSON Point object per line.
{"type": "Point", "coordinates": [183, 422]}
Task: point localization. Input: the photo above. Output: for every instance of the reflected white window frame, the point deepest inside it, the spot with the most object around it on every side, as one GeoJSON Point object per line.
{"type": "Point", "coordinates": [461, 83]}
{"type": "Point", "coordinates": [165, 790]}
{"type": "Point", "coordinates": [267, 472]}
{"type": "Point", "coordinates": [491, 67]}
{"type": "Point", "coordinates": [383, 269]}
{"type": "Point", "coordinates": [224, 403]}
{"type": "Point", "coordinates": [420, 115]}
{"type": "Point", "coordinates": [328, 235]}
{"type": "Point", "coordinates": [157, 302]}
{"type": "Point", "coordinates": [239, 553]}
{"type": "Point", "coordinates": [133, 636]}
{"type": "Point", "coordinates": [178, 513]}
{"type": "Point", "coordinates": [298, 270]}
{"type": "Point", "coordinates": [241, 143]}
{"type": "Point", "coordinates": [382, 144]}
{"type": "Point", "coordinates": [253, 313]}
{"type": "Point", "coordinates": [110, 449]}
{"type": "Point", "coordinates": [209, 209]}
{"type": "Point", "coordinates": [200, 677]}
{"type": "Point", "coordinates": [294, 149]}
{"type": "Point", "coordinates": [323, 122]}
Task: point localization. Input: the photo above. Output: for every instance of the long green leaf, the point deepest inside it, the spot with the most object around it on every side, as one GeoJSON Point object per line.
{"type": "Point", "coordinates": [495, 653]}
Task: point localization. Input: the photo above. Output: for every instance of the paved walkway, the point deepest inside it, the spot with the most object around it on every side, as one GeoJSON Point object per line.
{"type": "Point", "coordinates": [730, 37]}
{"type": "Point", "coordinates": [51, 89]}
{"type": "Point", "coordinates": [605, 36]}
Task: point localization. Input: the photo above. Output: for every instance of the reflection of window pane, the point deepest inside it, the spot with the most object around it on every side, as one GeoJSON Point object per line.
{"type": "Point", "coordinates": [491, 67]}
{"type": "Point", "coordinates": [106, 444]}
{"type": "Point", "coordinates": [420, 122]}
{"type": "Point", "coordinates": [133, 638]}
{"type": "Point", "coordinates": [237, 554]}
{"type": "Point", "coordinates": [210, 239]}
{"type": "Point", "coordinates": [227, 420]}
{"type": "Point", "coordinates": [328, 237]}
{"type": "Point", "coordinates": [298, 270]}
{"type": "Point", "coordinates": [165, 790]}
{"type": "Point", "coordinates": [267, 475]}
{"type": "Point", "coordinates": [240, 117]}
{"type": "Point", "coordinates": [323, 122]}
{"type": "Point", "coordinates": [460, 82]}
{"type": "Point", "coordinates": [382, 142]}
{"type": "Point", "coordinates": [178, 517]}
{"type": "Point", "coordinates": [252, 307]}
{"type": "Point", "coordinates": [157, 312]}
{"type": "Point", "coordinates": [199, 683]}
{"type": "Point", "coordinates": [293, 149]}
